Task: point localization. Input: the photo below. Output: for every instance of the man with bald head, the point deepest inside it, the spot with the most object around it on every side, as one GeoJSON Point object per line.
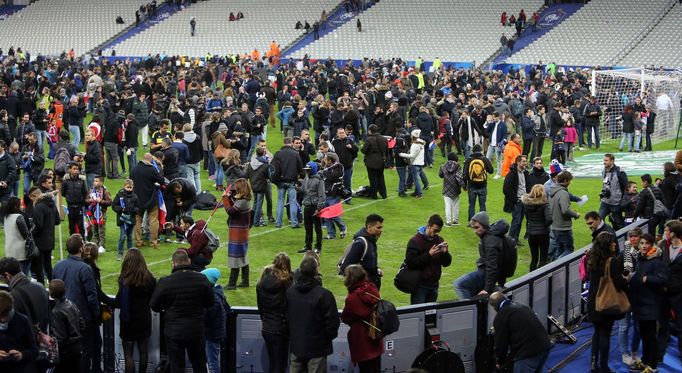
{"type": "Point", "coordinates": [147, 178]}
{"type": "Point", "coordinates": [519, 336]}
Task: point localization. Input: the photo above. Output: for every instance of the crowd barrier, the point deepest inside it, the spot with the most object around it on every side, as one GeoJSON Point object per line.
{"type": "Point", "coordinates": [554, 289]}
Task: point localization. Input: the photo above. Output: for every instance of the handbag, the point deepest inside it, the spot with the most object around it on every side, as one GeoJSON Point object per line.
{"type": "Point", "coordinates": [610, 300]}
{"type": "Point", "coordinates": [659, 207]}
{"type": "Point", "coordinates": [221, 152]}
{"type": "Point", "coordinates": [31, 249]}
{"type": "Point", "coordinates": [407, 280]}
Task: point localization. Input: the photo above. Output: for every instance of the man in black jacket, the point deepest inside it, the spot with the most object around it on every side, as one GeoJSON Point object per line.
{"type": "Point", "coordinates": [8, 171]}
{"type": "Point", "coordinates": [288, 167]}
{"type": "Point", "coordinates": [537, 174]}
{"type": "Point", "coordinates": [30, 298]}
{"type": "Point", "coordinates": [313, 320]}
{"type": "Point", "coordinates": [375, 149]}
{"type": "Point", "coordinates": [171, 169]}
{"type": "Point", "coordinates": [347, 151]}
{"type": "Point", "coordinates": [672, 258]}
{"type": "Point", "coordinates": [93, 158]}
{"type": "Point", "coordinates": [592, 113]}
{"type": "Point", "coordinates": [183, 297]}
{"type": "Point", "coordinates": [597, 225]}
{"type": "Point", "coordinates": [180, 198]}
{"type": "Point", "coordinates": [45, 219]}
{"type": "Point", "coordinates": [519, 335]}
{"type": "Point", "coordinates": [147, 179]}
{"type": "Point", "coordinates": [112, 126]}
{"type": "Point", "coordinates": [364, 249]}
{"type": "Point", "coordinates": [196, 151]}
{"type": "Point", "coordinates": [516, 184]}
{"type": "Point", "coordinates": [427, 252]}
{"type": "Point", "coordinates": [75, 192]}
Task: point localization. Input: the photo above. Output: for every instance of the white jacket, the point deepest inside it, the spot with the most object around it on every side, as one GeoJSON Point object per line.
{"type": "Point", "coordinates": [416, 154]}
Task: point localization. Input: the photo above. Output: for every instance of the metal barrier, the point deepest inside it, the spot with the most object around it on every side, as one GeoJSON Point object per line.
{"type": "Point", "coordinates": [553, 289]}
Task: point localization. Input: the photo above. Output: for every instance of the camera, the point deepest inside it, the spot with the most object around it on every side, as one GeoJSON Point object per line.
{"type": "Point", "coordinates": [605, 193]}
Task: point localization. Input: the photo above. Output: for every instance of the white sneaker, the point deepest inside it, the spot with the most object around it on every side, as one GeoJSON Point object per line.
{"type": "Point", "coordinates": [627, 359]}
{"type": "Point", "coordinates": [497, 176]}
{"type": "Point", "coordinates": [101, 250]}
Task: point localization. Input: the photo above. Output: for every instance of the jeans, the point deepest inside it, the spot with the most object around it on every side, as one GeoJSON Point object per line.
{"type": "Point", "coordinates": [213, 356]}
{"type": "Point", "coordinates": [128, 355]}
{"type": "Point", "coordinates": [451, 209]}
{"type": "Point", "coordinates": [332, 223]}
{"type": "Point", "coordinates": [132, 159]}
{"type": "Point", "coordinates": [278, 351]}
{"type": "Point", "coordinates": [424, 294]}
{"type": "Point", "coordinates": [348, 178]}
{"type": "Point", "coordinates": [638, 140]}
{"type": "Point", "coordinates": [532, 364]}
{"type": "Point", "coordinates": [305, 365]}
{"type": "Point", "coordinates": [517, 219]}
{"type": "Point", "coordinates": [402, 179]}
{"type": "Point", "coordinates": [41, 137]}
{"type": "Point", "coordinates": [616, 215]}
{"type": "Point", "coordinates": [467, 151]}
{"type": "Point", "coordinates": [258, 207]}
{"type": "Point", "coordinates": [497, 152]}
{"type": "Point", "coordinates": [193, 175]}
{"type": "Point", "coordinates": [27, 181]}
{"type": "Point", "coordinates": [25, 266]}
{"type": "Point", "coordinates": [416, 171]}
{"type": "Point", "coordinates": [284, 190]}
{"type": "Point", "coordinates": [91, 360]}
{"type": "Point", "coordinates": [481, 193]}
{"type": "Point", "coordinates": [254, 144]}
{"type": "Point", "coordinates": [590, 129]}
{"type": "Point", "coordinates": [219, 174]}
{"type": "Point", "coordinates": [627, 345]}
{"type": "Point", "coordinates": [626, 140]}
{"type": "Point", "coordinates": [111, 168]}
{"type": "Point", "coordinates": [126, 232]}
{"type": "Point", "coordinates": [195, 348]}
{"type": "Point", "coordinates": [563, 241]}
{"type": "Point", "coordinates": [470, 284]}
{"type": "Point", "coordinates": [75, 133]}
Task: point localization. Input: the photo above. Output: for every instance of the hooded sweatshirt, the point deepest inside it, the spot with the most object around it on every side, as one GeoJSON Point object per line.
{"type": "Point", "coordinates": [451, 173]}
{"type": "Point", "coordinates": [560, 206]}
{"type": "Point", "coordinates": [194, 146]}
{"type": "Point", "coordinates": [257, 173]}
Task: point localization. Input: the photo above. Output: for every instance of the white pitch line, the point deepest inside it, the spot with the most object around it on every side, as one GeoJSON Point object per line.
{"type": "Point", "coordinates": [278, 229]}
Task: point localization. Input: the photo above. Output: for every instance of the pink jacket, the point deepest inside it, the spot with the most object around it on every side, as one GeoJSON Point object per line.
{"type": "Point", "coordinates": [571, 135]}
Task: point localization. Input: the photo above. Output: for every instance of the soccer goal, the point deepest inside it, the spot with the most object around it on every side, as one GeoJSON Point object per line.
{"type": "Point", "coordinates": [660, 89]}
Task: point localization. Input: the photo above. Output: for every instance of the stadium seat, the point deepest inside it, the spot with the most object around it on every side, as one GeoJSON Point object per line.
{"type": "Point", "coordinates": [661, 47]}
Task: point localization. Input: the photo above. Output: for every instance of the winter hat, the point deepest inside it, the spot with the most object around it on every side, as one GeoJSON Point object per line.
{"type": "Point", "coordinates": [333, 156]}
{"type": "Point", "coordinates": [555, 167]}
{"type": "Point", "coordinates": [416, 133]}
{"type": "Point", "coordinates": [482, 218]}
{"type": "Point", "coordinates": [312, 166]}
{"type": "Point", "coordinates": [213, 275]}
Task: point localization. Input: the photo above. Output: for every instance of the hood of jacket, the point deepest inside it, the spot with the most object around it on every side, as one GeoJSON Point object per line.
{"type": "Point", "coordinates": [47, 199]}
{"type": "Point", "coordinates": [527, 200]}
{"type": "Point", "coordinates": [499, 228]}
{"type": "Point", "coordinates": [555, 189]}
{"type": "Point", "coordinates": [190, 136]}
{"type": "Point", "coordinates": [255, 163]}
{"type": "Point", "coordinates": [242, 205]}
{"type": "Point", "coordinates": [451, 167]}
{"type": "Point", "coordinates": [305, 283]}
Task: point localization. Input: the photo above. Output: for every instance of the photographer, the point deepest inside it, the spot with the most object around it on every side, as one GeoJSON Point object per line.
{"type": "Point", "coordinates": [614, 182]}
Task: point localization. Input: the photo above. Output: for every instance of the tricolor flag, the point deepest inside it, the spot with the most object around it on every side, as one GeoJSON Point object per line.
{"type": "Point", "coordinates": [162, 208]}
{"type": "Point", "coordinates": [332, 211]}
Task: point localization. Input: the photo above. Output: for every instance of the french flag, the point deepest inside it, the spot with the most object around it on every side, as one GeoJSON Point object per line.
{"type": "Point", "coordinates": [162, 208]}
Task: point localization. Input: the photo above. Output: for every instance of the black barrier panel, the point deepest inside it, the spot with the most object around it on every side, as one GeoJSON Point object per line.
{"type": "Point", "coordinates": [540, 296]}
{"type": "Point", "coordinates": [249, 345]}
{"type": "Point", "coordinates": [457, 327]}
{"type": "Point", "coordinates": [557, 294]}
{"type": "Point", "coordinates": [574, 290]}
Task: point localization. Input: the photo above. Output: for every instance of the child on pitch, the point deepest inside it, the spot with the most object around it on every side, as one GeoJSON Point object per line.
{"type": "Point", "coordinates": [99, 199]}
{"type": "Point", "coordinates": [126, 206]}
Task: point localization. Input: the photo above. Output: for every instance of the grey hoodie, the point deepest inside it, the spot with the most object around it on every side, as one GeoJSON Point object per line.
{"type": "Point", "coordinates": [559, 204]}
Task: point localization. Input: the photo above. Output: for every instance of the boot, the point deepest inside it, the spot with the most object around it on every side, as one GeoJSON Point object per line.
{"type": "Point", "coordinates": [232, 284]}
{"type": "Point", "coordinates": [594, 368]}
{"type": "Point", "coordinates": [245, 277]}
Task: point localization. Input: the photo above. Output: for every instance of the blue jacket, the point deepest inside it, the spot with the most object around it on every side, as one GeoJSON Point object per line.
{"type": "Point", "coordinates": [81, 288]}
{"type": "Point", "coordinates": [216, 316]}
{"type": "Point", "coordinates": [285, 115]}
{"type": "Point", "coordinates": [527, 128]}
{"type": "Point", "coordinates": [647, 298]}
{"type": "Point", "coordinates": [501, 132]}
{"type": "Point", "coordinates": [214, 104]}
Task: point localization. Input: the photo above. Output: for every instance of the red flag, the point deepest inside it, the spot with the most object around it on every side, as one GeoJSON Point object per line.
{"type": "Point", "coordinates": [332, 211]}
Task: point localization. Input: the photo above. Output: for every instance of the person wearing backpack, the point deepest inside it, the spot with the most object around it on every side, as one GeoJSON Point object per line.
{"type": "Point", "coordinates": [646, 205]}
{"type": "Point", "coordinates": [475, 177]}
{"type": "Point", "coordinates": [364, 251]}
{"type": "Point", "coordinates": [451, 173]}
{"type": "Point", "coordinates": [363, 295]}
{"type": "Point", "coordinates": [428, 253]}
{"type": "Point", "coordinates": [614, 182]}
{"type": "Point", "coordinates": [489, 273]}
{"type": "Point", "coordinates": [199, 253]}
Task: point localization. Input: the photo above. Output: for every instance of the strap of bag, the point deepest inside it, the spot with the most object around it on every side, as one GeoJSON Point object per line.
{"type": "Point", "coordinates": [364, 240]}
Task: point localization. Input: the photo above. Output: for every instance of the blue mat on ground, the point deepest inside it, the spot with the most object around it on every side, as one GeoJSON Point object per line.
{"type": "Point", "coordinates": [581, 362]}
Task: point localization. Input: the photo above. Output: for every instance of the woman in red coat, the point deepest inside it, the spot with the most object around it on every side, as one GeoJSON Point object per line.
{"type": "Point", "coordinates": [362, 296]}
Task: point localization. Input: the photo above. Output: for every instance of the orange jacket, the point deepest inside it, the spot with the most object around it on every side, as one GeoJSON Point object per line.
{"type": "Point", "coordinates": [511, 151]}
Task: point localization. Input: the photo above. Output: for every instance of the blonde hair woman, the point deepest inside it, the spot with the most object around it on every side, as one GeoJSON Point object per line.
{"type": "Point", "coordinates": [538, 220]}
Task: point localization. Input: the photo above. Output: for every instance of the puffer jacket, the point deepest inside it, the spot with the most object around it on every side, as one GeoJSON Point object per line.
{"type": "Point", "coordinates": [272, 305]}
{"type": "Point", "coordinates": [375, 149]}
{"type": "Point", "coordinates": [359, 304]}
{"type": "Point", "coordinates": [489, 250]}
{"type": "Point", "coordinates": [416, 155]}
{"type": "Point", "coordinates": [417, 257]}
{"type": "Point", "coordinates": [74, 190]}
{"type": "Point", "coordinates": [648, 298]}
{"type": "Point", "coordinates": [538, 215]}
{"type": "Point", "coordinates": [451, 173]}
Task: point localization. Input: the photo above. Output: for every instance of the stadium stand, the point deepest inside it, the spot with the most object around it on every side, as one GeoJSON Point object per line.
{"type": "Point", "coordinates": [594, 35]}
{"type": "Point", "coordinates": [41, 26]}
{"type": "Point", "coordinates": [454, 31]}
{"type": "Point", "coordinates": [661, 47]}
{"type": "Point", "coordinates": [263, 22]}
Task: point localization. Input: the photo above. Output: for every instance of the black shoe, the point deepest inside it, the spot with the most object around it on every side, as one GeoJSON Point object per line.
{"type": "Point", "coordinates": [230, 287]}
{"type": "Point", "coordinates": [303, 250]}
{"type": "Point", "coordinates": [402, 194]}
{"type": "Point", "coordinates": [271, 219]}
{"type": "Point", "coordinates": [243, 285]}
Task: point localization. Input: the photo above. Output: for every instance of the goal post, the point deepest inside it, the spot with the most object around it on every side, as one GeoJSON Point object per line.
{"type": "Point", "coordinates": [660, 89]}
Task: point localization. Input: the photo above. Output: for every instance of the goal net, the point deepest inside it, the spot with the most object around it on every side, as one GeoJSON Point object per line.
{"type": "Point", "coordinates": [615, 89]}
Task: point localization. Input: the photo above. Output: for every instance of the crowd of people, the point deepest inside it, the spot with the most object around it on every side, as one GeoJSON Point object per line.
{"type": "Point", "coordinates": [190, 119]}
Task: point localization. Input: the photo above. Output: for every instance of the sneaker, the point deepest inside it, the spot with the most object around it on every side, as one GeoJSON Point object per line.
{"type": "Point", "coordinates": [343, 234]}
{"type": "Point", "coordinates": [119, 257]}
{"type": "Point", "coordinates": [497, 176]}
{"type": "Point", "coordinates": [296, 226]}
{"type": "Point", "coordinates": [637, 366]}
{"type": "Point", "coordinates": [328, 237]}
{"type": "Point", "coordinates": [230, 287]}
{"type": "Point", "coordinates": [167, 240]}
{"type": "Point", "coordinates": [627, 359]}
{"type": "Point", "coordinates": [448, 224]}
{"type": "Point", "coordinates": [649, 369]}
{"type": "Point", "coordinates": [317, 252]}
{"type": "Point", "coordinates": [271, 219]}
{"type": "Point", "coordinates": [455, 223]}
{"type": "Point", "coordinates": [101, 250]}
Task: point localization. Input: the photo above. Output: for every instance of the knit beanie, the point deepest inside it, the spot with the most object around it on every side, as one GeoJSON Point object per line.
{"type": "Point", "coordinates": [482, 218]}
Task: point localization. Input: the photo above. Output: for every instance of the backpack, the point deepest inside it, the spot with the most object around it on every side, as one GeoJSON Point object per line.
{"type": "Point", "coordinates": [205, 201]}
{"type": "Point", "coordinates": [61, 161]}
{"type": "Point", "coordinates": [477, 173]}
{"type": "Point", "coordinates": [383, 320]}
{"type": "Point", "coordinates": [340, 265]}
{"type": "Point", "coordinates": [659, 207]}
{"type": "Point", "coordinates": [213, 241]}
{"type": "Point", "coordinates": [509, 256]}
{"type": "Point", "coordinates": [517, 108]}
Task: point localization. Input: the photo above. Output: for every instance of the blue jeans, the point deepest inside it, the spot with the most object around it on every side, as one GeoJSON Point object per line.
{"type": "Point", "coordinates": [416, 171]}
{"type": "Point", "coordinates": [424, 294]}
{"type": "Point", "coordinates": [532, 364]}
{"type": "Point", "coordinates": [348, 178]}
{"type": "Point", "coordinates": [590, 129]}
{"type": "Point", "coordinates": [517, 219]}
{"type": "Point", "coordinates": [481, 193]}
{"type": "Point", "coordinates": [497, 152]}
{"type": "Point", "coordinates": [627, 137]}
{"type": "Point", "coordinates": [563, 242]}
{"type": "Point", "coordinates": [126, 232]}
{"type": "Point", "coordinates": [624, 325]}
{"type": "Point", "coordinates": [75, 133]}
{"type": "Point", "coordinates": [25, 266]}
{"type": "Point", "coordinates": [254, 144]}
{"type": "Point", "coordinates": [41, 137]}
{"type": "Point", "coordinates": [193, 175]}
{"type": "Point", "coordinates": [211, 167]}
{"type": "Point", "coordinates": [638, 140]}
{"type": "Point", "coordinates": [284, 189]}
{"type": "Point", "coordinates": [467, 151]}
{"type": "Point", "coordinates": [219, 174]}
{"type": "Point", "coordinates": [213, 356]}
{"type": "Point", "coordinates": [470, 284]}
{"type": "Point", "coordinates": [132, 159]}
{"type": "Point", "coordinates": [258, 207]}
{"type": "Point", "coordinates": [332, 223]}
{"type": "Point", "coordinates": [402, 179]}
{"type": "Point", "coordinates": [27, 181]}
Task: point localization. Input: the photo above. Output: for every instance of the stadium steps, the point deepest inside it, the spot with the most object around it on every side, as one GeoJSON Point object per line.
{"type": "Point", "coordinates": [528, 37]}
{"type": "Point", "coordinates": [337, 17]}
{"type": "Point", "coordinates": [164, 11]}
{"type": "Point", "coordinates": [8, 10]}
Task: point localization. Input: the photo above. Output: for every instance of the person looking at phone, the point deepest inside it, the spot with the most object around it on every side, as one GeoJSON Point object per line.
{"type": "Point", "coordinates": [427, 252]}
{"type": "Point", "coordinates": [19, 346]}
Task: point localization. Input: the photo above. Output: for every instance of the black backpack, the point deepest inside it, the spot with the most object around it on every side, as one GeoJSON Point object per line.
{"type": "Point", "coordinates": [509, 255]}
{"type": "Point", "coordinates": [205, 201]}
{"type": "Point", "coordinates": [383, 319]}
{"type": "Point", "coordinates": [61, 161]}
{"type": "Point", "coordinates": [439, 359]}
